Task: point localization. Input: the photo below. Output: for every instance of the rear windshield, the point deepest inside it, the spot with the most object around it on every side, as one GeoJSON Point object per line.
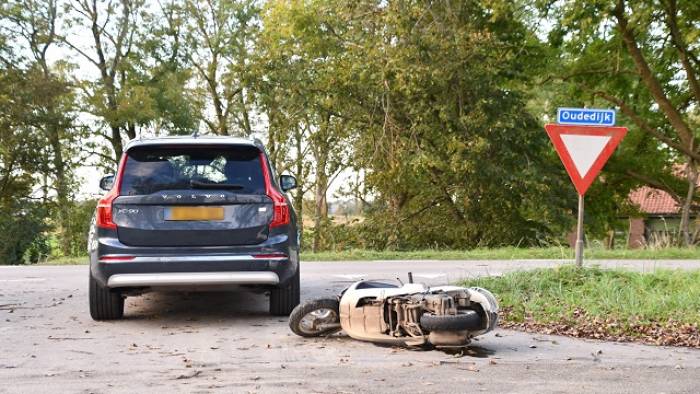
{"type": "Point", "coordinates": [152, 169]}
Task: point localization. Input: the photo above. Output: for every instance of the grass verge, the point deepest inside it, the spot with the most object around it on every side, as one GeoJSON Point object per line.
{"type": "Point", "coordinates": [661, 308]}
{"type": "Point", "coordinates": [505, 253]}
{"type": "Point", "coordinates": [65, 260]}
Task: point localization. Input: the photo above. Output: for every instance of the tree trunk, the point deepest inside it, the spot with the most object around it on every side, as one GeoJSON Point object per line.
{"type": "Point", "coordinates": [299, 174]}
{"type": "Point", "coordinates": [692, 176]}
{"type": "Point", "coordinates": [321, 151]}
{"type": "Point", "coordinates": [131, 131]}
{"type": "Point", "coordinates": [392, 242]}
{"type": "Point", "coordinates": [321, 207]}
{"type": "Point", "coordinates": [116, 141]}
{"type": "Point", "coordinates": [62, 192]}
{"type": "Point", "coordinates": [272, 145]}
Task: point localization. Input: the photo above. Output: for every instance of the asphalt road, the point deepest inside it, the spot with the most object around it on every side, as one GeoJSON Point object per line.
{"type": "Point", "coordinates": [204, 342]}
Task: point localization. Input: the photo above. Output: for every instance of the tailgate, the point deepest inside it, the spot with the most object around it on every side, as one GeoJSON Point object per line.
{"type": "Point", "coordinates": [150, 220]}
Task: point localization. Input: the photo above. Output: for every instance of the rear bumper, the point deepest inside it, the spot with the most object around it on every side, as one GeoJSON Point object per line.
{"type": "Point", "coordinates": [271, 264]}
{"type": "Point", "coordinates": [195, 270]}
{"type": "Point", "coordinates": [193, 279]}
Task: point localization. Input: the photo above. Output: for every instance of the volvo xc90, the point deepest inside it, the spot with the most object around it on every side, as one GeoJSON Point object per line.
{"type": "Point", "coordinates": [193, 212]}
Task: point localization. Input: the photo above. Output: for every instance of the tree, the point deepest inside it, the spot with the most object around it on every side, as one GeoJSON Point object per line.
{"type": "Point", "coordinates": [113, 30]}
{"type": "Point", "coordinates": [23, 219]}
{"type": "Point", "coordinates": [304, 71]}
{"type": "Point", "coordinates": [219, 36]}
{"type": "Point", "coordinates": [642, 58]}
{"type": "Point", "coordinates": [32, 27]}
{"type": "Point", "coordinates": [162, 68]}
{"type": "Point", "coordinates": [451, 152]}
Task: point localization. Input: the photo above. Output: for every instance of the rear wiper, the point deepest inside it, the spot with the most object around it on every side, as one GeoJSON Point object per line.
{"type": "Point", "coordinates": [206, 185]}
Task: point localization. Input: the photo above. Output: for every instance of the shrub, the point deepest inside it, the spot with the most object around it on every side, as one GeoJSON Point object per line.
{"type": "Point", "coordinates": [22, 233]}
{"type": "Point", "coordinates": [75, 235]}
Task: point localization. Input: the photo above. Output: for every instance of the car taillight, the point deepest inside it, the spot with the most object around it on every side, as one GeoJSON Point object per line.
{"type": "Point", "coordinates": [104, 211]}
{"type": "Point", "coordinates": [104, 205]}
{"type": "Point", "coordinates": [280, 208]}
{"type": "Point", "coordinates": [270, 256]}
{"type": "Point", "coordinates": [117, 258]}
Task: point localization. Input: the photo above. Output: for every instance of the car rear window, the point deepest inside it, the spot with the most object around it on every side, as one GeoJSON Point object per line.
{"type": "Point", "coordinates": [150, 169]}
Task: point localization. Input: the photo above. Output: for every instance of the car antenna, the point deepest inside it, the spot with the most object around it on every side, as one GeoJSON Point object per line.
{"type": "Point", "coordinates": [196, 133]}
{"type": "Point", "coordinates": [410, 277]}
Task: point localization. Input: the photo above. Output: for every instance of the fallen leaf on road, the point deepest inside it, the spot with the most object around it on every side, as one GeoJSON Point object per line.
{"type": "Point", "coordinates": [193, 375]}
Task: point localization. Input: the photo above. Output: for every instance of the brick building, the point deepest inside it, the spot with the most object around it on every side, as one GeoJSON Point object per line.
{"type": "Point", "coordinates": [660, 218]}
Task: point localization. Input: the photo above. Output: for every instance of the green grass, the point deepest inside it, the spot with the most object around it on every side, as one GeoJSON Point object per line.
{"type": "Point", "coordinates": [65, 260]}
{"type": "Point", "coordinates": [660, 307]}
{"type": "Point", "coordinates": [505, 253]}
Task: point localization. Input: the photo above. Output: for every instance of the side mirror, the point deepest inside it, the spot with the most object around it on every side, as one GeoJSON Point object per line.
{"type": "Point", "coordinates": [107, 182]}
{"type": "Point", "coordinates": [287, 182]}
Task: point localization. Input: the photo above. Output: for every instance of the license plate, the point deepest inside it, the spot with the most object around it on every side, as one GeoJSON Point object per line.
{"type": "Point", "coordinates": [194, 213]}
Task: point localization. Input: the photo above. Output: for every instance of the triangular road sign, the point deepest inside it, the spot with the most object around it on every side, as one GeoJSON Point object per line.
{"type": "Point", "coordinates": [584, 150]}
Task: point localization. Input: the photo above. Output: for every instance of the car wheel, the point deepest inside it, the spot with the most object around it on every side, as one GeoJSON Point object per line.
{"type": "Point", "coordinates": [464, 320]}
{"type": "Point", "coordinates": [105, 303]}
{"type": "Point", "coordinates": [284, 299]}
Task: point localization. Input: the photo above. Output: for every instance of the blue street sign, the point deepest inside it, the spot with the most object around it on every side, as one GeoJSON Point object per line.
{"type": "Point", "coordinates": [586, 116]}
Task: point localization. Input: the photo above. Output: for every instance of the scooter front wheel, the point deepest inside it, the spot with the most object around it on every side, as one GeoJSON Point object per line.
{"type": "Point", "coordinates": [316, 317]}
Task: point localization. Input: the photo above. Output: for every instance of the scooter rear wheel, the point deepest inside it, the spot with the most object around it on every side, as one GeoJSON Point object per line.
{"type": "Point", "coordinates": [316, 317]}
{"type": "Point", "coordinates": [464, 320]}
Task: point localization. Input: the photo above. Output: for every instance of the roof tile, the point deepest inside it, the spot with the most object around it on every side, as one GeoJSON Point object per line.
{"type": "Point", "coordinates": [653, 201]}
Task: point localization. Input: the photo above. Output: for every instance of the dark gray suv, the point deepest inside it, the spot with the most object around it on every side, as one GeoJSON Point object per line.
{"type": "Point", "coordinates": [193, 212]}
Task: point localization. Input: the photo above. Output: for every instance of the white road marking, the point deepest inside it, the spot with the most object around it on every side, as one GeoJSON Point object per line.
{"type": "Point", "coordinates": [23, 280]}
{"type": "Point", "coordinates": [429, 275]}
{"type": "Point", "coordinates": [350, 276]}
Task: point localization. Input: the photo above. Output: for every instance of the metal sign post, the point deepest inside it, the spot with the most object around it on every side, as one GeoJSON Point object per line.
{"type": "Point", "coordinates": [584, 145]}
{"type": "Point", "coordinates": [579, 233]}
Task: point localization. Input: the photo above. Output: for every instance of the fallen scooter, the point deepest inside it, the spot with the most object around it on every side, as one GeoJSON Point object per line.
{"type": "Point", "coordinates": [410, 314]}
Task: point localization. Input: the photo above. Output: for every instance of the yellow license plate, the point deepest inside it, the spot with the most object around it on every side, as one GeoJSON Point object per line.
{"type": "Point", "coordinates": [194, 213]}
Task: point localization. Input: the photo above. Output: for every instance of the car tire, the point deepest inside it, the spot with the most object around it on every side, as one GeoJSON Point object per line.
{"type": "Point", "coordinates": [105, 303]}
{"type": "Point", "coordinates": [284, 299]}
{"type": "Point", "coordinates": [464, 320]}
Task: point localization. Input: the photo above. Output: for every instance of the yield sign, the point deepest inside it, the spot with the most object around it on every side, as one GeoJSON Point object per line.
{"type": "Point", "coordinates": [584, 150]}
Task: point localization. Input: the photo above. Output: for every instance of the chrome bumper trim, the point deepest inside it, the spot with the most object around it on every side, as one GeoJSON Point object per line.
{"type": "Point", "coordinates": [194, 278]}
